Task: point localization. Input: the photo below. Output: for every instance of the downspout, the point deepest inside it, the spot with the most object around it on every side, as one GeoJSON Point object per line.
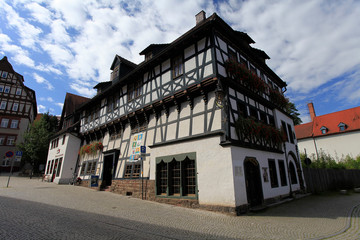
{"type": "Point", "coordinates": [317, 154]}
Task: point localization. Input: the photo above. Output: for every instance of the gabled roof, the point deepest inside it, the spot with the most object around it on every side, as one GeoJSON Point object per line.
{"type": "Point", "coordinates": [71, 103]}
{"type": "Point", "coordinates": [122, 60]}
{"type": "Point", "coordinates": [350, 117]}
{"type": "Point", "coordinates": [155, 48]}
{"type": "Point", "coordinates": [5, 65]}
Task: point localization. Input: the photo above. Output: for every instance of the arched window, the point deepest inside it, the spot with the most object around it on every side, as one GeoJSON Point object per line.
{"type": "Point", "coordinates": [293, 173]}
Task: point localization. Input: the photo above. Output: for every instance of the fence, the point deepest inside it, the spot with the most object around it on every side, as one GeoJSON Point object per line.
{"type": "Point", "coordinates": [320, 180]}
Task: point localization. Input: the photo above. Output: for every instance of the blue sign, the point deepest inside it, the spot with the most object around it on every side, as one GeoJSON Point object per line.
{"type": "Point", "coordinates": [19, 153]}
{"type": "Point", "coordinates": [143, 149]}
{"type": "Point", "coordinates": [9, 154]}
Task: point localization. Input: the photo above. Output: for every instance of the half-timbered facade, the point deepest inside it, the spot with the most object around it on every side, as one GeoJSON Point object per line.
{"type": "Point", "coordinates": [64, 146]}
{"type": "Point", "coordinates": [198, 122]}
{"type": "Point", "coordinates": [17, 111]}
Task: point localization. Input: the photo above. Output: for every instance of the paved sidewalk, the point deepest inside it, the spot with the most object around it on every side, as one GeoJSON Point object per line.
{"type": "Point", "coordinates": [331, 215]}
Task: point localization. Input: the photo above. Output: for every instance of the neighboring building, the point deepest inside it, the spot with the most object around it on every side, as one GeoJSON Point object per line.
{"type": "Point", "coordinates": [336, 134]}
{"type": "Point", "coordinates": [64, 146]}
{"type": "Point", "coordinates": [211, 139]}
{"type": "Point", "coordinates": [17, 112]}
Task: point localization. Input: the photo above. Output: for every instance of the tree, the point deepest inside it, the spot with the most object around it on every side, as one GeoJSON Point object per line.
{"type": "Point", "coordinates": [36, 140]}
{"type": "Point", "coordinates": [291, 109]}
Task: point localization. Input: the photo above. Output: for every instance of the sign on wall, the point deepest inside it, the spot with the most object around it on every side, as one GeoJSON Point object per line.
{"type": "Point", "coordinates": [135, 150]}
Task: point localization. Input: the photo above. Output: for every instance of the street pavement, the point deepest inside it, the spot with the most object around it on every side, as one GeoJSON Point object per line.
{"type": "Point", "coordinates": [32, 209]}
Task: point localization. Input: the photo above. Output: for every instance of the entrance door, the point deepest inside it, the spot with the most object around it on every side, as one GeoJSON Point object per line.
{"type": "Point", "coordinates": [253, 182]}
{"type": "Point", "coordinates": [108, 170]}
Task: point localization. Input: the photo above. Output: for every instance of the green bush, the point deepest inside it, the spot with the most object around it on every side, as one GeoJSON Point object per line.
{"type": "Point", "coordinates": [326, 161]}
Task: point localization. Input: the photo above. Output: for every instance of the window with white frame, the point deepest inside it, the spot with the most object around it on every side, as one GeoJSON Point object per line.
{"type": "Point", "coordinates": [15, 106]}
{"type": "Point", "coordinates": [7, 89]}
{"type": "Point", "coordinates": [4, 122]}
{"type": "Point", "coordinates": [18, 91]}
{"type": "Point", "coordinates": [14, 123]}
{"type": "Point", "coordinates": [10, 140]}
{"type": "Point", "coordinates": [342, 126]}
{"type": "Point", "coordinates": [2, 140]}
{"type": "Point", "coordinates": [3, 105]}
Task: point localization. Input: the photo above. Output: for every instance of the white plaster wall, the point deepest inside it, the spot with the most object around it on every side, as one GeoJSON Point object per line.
{"type": "Point", "coordinates": [338, 146]}
{"type": "Point", "coordinates": [214, 169]}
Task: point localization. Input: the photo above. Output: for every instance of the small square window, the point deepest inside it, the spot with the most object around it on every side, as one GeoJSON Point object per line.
{"type": "Point", "coordinates": [1, 88]}
{"type": "Point", "coordinates": [342, 126]}
{"type": "Point", "coordinates": [4, 123]}
{"type": "Point", "coordinates": [15, 106]}
{"type": "Point", "coordinates": [18, 91]}
{"type": "Point", "coordinates": [4, 74]}
{"type": "Point", "coordinates": [14, 123]}
{"type": "Point", "coordinates": [7, 89]}
{"type": "Point", "coordinates": [10, 141]}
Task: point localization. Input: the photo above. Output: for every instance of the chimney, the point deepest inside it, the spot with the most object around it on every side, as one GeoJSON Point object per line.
{"type": "Point", "coordinates": [312, 111]}
{"type": "Point", "coordinates": [200, 17]}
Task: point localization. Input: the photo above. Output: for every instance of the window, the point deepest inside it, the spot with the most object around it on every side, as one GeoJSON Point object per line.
{"type": "Point", "coordinates": [232, 55]}
{"type": "Point", "coordinates": [2, 140]}
{"type": "Point", "coordinates": [242, 109]}
{"type": "Point", "coordinates": [4, 122]}
{"type": "Point", "coordinates": [3, 105]}
{"type": "Point", "coordinates": [93, 168]}
{"type": "Point", "coordinates": [292, 173]}
{"type": "Point", "coordinates": [1, 88]}
{"type": "Point", "coordinates": [132, 170]}
{"type": "Point", "coordinates": [283, 128]}
{"type": "Point", "coordinates": [89, 167]}
{"type": "Point", "coordinates": [63, 140]}
{"type": "Point", "coordinates": [110, 106]}
{"type": "Point", "coordinates": [290, 133]}
{"type": "Point", "coordinates": [134, 90]}
{"type": "Point", "coordinates": [263, 117]}
{"type": "Point", "coordinates": [59, 167]}
{"type": "Point", "coordinates": [253, 113]}
{"type": "Point", "coordinates": [161, 178]}
{"type": "Point", "coordinates": [177, 66]}
{"type": "Point", "coordinates": [82, 171]}
{"type": "Point", "coordinates": [342, 126]}
{"type": "Point", "coordinates": [14, 123]}
{"type": "Point", "coordinates": [323, 130]}
{"type": "Point", "coordinates": [282, 173]}
{"type": "Point", "coordinates": [7, 89]}
{"type": "Point", "coordinates": [176, 177]}
{"type": "Point", "coordinates": [18, 91]}
{"type": "Point", "coordinates": [4, 74]}
{"type": "Point", "coordinates": [15, 106]}
{"type": "Point", "coordinates": [10, 140]}
{"type": "Point", "coordinates": [273, 174]}
{"type": "Point", "coordinates": [243, 62]}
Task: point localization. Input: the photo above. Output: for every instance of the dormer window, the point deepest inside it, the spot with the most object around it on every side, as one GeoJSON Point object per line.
{"type": "Point", "coordinates": [342, 126]}
{"type": "Point", "coordinates": [148, 56]}
{"type": "Point", "coordinates": [323, 130]}
{"type": "Point", "coordinates": [115, 72]}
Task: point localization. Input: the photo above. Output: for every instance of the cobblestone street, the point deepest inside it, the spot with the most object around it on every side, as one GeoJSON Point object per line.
{"type": "Point", "coordinates": [32, 209]}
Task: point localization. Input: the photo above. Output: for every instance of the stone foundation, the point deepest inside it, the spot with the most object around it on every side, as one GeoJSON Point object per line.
{"type": "Point", "coordinates": [143, 189]}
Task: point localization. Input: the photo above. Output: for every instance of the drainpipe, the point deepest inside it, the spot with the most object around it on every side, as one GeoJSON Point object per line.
{"type": "Point", "coordinates": [317, 154]}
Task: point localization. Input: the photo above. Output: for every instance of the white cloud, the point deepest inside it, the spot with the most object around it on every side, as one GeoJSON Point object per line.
{"type": "Point", "coordinates": [39, 79]}
{"type": "Point", "coordinates": [41, 108]}
{"type": "Point", "coordinates": [59, 105]}
{"type": "Point", "coordinates": [39, 13]}
{"type": "Point", "coordinates": [83, 91]}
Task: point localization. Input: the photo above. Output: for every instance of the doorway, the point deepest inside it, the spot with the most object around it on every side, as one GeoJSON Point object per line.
{"type": "Point", "coordinates": [109, 167]}
{"type": "Point", "coordinates": [253, 182]}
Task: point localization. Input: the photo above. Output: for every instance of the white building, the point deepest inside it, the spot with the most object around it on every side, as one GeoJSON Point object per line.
{"type": "Point", "coordinates": [211, 126]}
{"type": "Point", "coordinates": [64, 147]}
{"type": "Point", "coordinates": [335, 134]}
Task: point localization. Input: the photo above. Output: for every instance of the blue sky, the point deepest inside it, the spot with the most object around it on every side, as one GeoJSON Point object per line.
{"type": "Point", "coordinates": [64, 46]}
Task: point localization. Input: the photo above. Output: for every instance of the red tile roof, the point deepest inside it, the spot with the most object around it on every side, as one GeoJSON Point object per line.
{"type": "Point", "coordinates": [350, 117]}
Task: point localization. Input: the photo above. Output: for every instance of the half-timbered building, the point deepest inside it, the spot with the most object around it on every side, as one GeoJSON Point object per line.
{"type": "Point", "coordinates": [64, 146]}
{"type": "Point", "coordinates": [200, 121]}
{"type": "Point", "coordinates": [17, 111]}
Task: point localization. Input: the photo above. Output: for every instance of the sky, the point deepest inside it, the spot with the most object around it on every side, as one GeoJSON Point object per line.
{"type": "Point", "coordinates": [64, 46]}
